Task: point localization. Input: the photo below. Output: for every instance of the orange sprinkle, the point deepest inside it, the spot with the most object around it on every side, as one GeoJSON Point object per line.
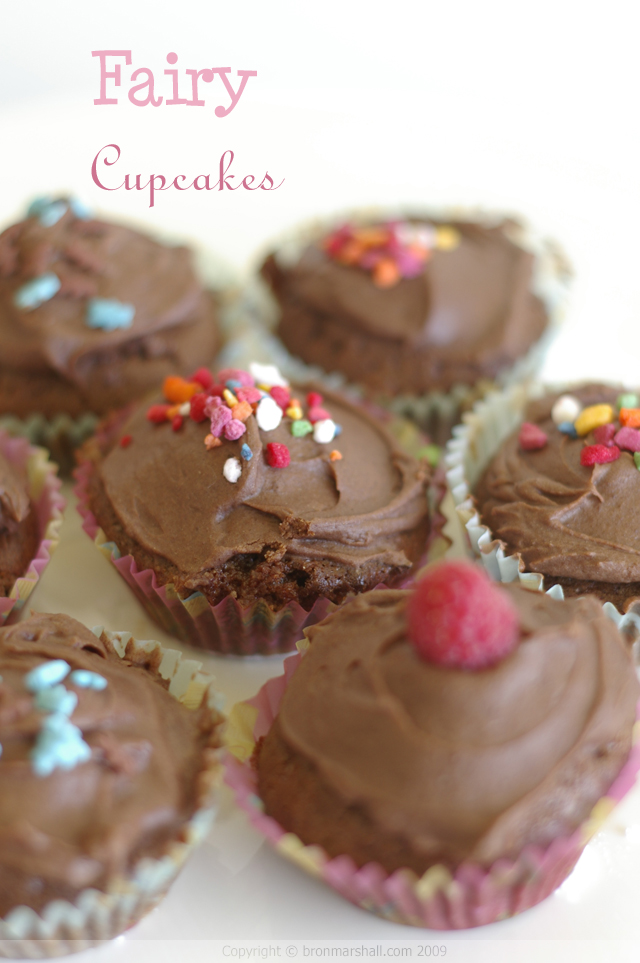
{"type": "Point", "coordinates": [350, 253]}
{"type": "Point", "coordinates": [372, 236]}
{"type": "Point", "coordinates": [386, 273]}
{"type": "Point", "coordinates": [211, 442]}
{"type": "Point", "coordinates": [173, 411]}
{"type": "Point", "coordinates": [178, 390]}
{"type": "Point", "coordinates": [335, 455]}
{"type": "Point", "coordinates": [630, 417]}
{"type": "Point", "coordinates": [242, 410]}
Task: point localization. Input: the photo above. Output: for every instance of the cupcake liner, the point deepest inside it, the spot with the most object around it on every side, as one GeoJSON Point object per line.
{"type": "Point", "coordinates": [435, 411]}
{"type": "Point", "coordinates": [43, 486]}
{"type": "Point", "coordinates": [228, 628]}
{"type": "Point", "coordinates": [63, 927]}
{"type": "Point", "coordinates": [441, 899]}
{"type": "Point", "coordinates": [468, 453]}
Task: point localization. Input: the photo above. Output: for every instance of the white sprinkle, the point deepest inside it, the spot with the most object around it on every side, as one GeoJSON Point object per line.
{"type": "Point", "coordinates": [566, 408]}
{"type": "Point", "coordinates": [324, 431]}
{"type": "Point", "coordinates": [232, 469]}
{"type": "Point", "coordinates": [185, 409]}
{"type": "Point", "coordinates": [268, 414]}
{"type": "Point", "coordinates": [267, 374]}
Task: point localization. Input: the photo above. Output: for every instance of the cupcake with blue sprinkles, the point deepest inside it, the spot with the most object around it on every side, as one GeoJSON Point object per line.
{"type": "Point", "coordinates": [92, 315]}
{"type": "Point", "coordinates": [101, 738]}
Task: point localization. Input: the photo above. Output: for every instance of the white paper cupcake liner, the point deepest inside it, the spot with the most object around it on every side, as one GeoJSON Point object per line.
{"type": "Point", "coordinates": [62, 927]}
{"type": "Point", "coordinates": [468, 453]}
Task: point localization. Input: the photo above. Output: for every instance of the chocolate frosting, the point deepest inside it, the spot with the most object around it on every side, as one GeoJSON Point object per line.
{"type": "Point", "coordinates": [563, 518]}
{"type": "Point", "coordinates": [462, 764]}
{"type": "Point", "coordinates": [14, 498]}
{"type": "Point", "coordinates": [470, 311]}
{"type": "Point", "coordinates": [96, 259]}
{"type": "Point", "coordinates": [81, 827]}
{"type": "Point", "coordinates": [170, 496]}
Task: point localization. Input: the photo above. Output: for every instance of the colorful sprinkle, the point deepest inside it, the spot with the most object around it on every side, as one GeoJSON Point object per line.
{"type": "Point", "coordinates": [268, 414]}
{"type": "Point", "coordinates": [592, 417]}
{"type": "Point", "coordinates": [47, 210]}
{"type": "Point", "coordinates": [37, 291]}
{"type": "Point", "coordinates": [109, 314]}
{"type": "Point", "coordinates": [317, 414]}
{"type": "Point", "coordinates": [219, 418]}
{"type": "Point", "coordinates": [603, 434]}
{"type": "Point", "coordinates": [236, 374]}
{"type": "Point", "coordinates": [636, 458]}
{"type": "Point", "coordinates": [628, 439]}
{"type": "Point", "coordinates": [158, 413]}
{"type": "Point", "coordinates": [86, 679]}
{"type": "Point", "coordinates": [177, 422]}
{"type": "Point", "coordinates": [267, 374]}
{"type": "Point", "coordinates": [203, 377]}
{"type": "Point", "coordinates": [125, 441]}
{"type": "Point", "coordinates": [294, 412]}
{"type": "Point", "coordinates": [246, 452]}
{"type": "Point", "coordinates": [59, 745]}
{"type": "Point", "coordinates": [277, 455]}
{"type": "Point", "coordinates": [56, 699]}
{"type": "Point", "coordinates": [301, 428]}
{"type": "Point", "coordinates": [566, 408]}
{"type": "Point", "coordinates": [281, 396]}
{"type": "Point", "coordinates": [630, 417]}
{"type": "Point", "coordinates": [229, 397]}
{"type": "Point", "coordinates": [568, 428]}
{"type": "Point", "coordinates": [178, 390]}
{"type": "Point", "coordinates": [242, 411]}
{"type": "Point", "coordinates": [531, 437]}
{"type": "Point", "coordinates": [234, 430]}
{"type": "Point", "coordinates": [232, 470]}
{"type": "Point", "coordinates": [598, 454]}
{"type": "Point", "coordinates": [80, 210]}
{"type": "Point", "coordinates": [46, 675]}
{"type": "Point", "coordinates": [197, 406]}
{"type": "Point", "coordinates": [627, 400]}
{"type": "Point", "coordinates": [324, 431]}
{"type": "Point", "coordinates": [211, 441]}
{"type": "Point", "coordinates": [251, 395]}
{"type": "Point", "coordinates": [314, 399]}
{"type": "Point", "coordinates": [335, 455]}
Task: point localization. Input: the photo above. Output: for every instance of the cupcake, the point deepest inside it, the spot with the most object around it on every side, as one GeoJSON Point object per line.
{"type": "Point", "coordinates": [92, 315]}
{"type": "Point", "coordinates": [422, 313]}
{"type": "Point", "coordinates": [441, 756]}
{"type": "Point", "coordinates": [107, 768]}
{"type": "Point", "coordinates": [241, 509]}
{"type": "Point", "coordinates": [553, 481]}
{"type": "Point", "coordinates": [30, 517]}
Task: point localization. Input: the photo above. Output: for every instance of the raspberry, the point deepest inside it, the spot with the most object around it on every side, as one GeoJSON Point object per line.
{"type": "Point", "coordinates": [314, 400]}
{"type": "Point", "coordinates": [598, 454]}
{"type": "Point", "coordinates": [158, 413]}
{"type": "Point", "coordinates": [603, 434]}
{"type": "Point", "coordinates": [531, 437]}
{"type": "Point", "coordinates": [204, 377]}
{"type": "Point", "coordinates": [198, 404]}
{"type": "Point", "coordinates": [628, 439]}
{"type": "Point", "coordinates": [281, 396]}
{"type": "Point", "coordinates": [277, 455]}
{"type": "Point", "coordinates": [458, 618]}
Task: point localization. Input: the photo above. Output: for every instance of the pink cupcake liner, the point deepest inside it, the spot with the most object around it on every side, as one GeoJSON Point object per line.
{"type": "Point", "coordinates": [44, 491]}
{"type": "Point", "coordinates": [228, 628]}
{"type": "Point", "coordinates": [442, 899]}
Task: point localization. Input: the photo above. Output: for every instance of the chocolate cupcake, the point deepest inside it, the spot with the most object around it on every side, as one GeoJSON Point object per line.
{"type": "Point", "coordinates": [250, 509]}
{"type": "Point", "coordinates": [545, 487]}
{"type": "Point", "coordinates": [438, 755]}
{"type": "Point", "coordinates": [422, 313]}
{"type": "Point", "coordinates": [107, 769]}
{"type": "Point", "coordinates": [92, 315]}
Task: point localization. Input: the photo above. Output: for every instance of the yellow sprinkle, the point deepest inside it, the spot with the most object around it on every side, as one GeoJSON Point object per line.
{"type": "Point", "coordinates": [230, 398]}
{"type": "Point", "coordinates": [447, 238]}
{"type": "Point", "coordinates": [266, 388]}
{"type": "Point", "coordinates": [335, 455]}
{"type": "Point", "coordinates": [294, 413]}
{"type": "Point", "coordinates": [593, 417]}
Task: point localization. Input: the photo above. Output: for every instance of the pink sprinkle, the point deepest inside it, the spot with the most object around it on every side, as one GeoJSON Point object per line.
{"type": "Point", "coordinates": [531, 437]}
{"type": "Point", "coordinates": [204, 377]}
{"type": "Point", "coordinates": [219, 418]}
{"type": "Point", "coordinates": [314, 399]}
{"type": "Point", "coordinates": [598, 454]}
{"type": "Point", "coordinates": [281, 396]}
{"type": "Point", "coordinates": [603, 434]}
{"type": "Point", "coordinates": [177, 422]}
{"type": "Point", "coordinates": [234, 429]}
{"type": "Point", "coordinates": [213, 402]}
{"type": "Point", "coordinates": [628, 439]}
{"type": "Point", "coordinates": [252, 395]}
{"type": "Point", "coordinates": [317, 414]}
{"type": "Point", "coordinates": [235, 374]}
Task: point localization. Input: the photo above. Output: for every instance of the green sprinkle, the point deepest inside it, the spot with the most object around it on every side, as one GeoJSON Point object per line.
{"type": "Point", "coordinates": [432, 453]}
{"type": "Point", "coordinates": [301, 428]}
{"type": "Point", "coordinates": [636, 458]}
{"type": "Point", "coordinates": [627, 401]}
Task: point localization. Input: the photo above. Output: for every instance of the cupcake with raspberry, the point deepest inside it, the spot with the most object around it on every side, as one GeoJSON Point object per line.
{"type": "Point", "coordinates": [240, 508]}
{"type": "Point", "coordinates": [546, 487]}
{"type": "Point", "coordinates": [423, 313]}
{"type": "Point", "coordinates": [518, 707]}
{"type": "Point", "coordinates": [92, 315]}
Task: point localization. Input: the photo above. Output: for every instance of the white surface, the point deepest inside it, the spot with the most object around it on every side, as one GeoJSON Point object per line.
{"type": "Point", "coordinates": [524, 107]}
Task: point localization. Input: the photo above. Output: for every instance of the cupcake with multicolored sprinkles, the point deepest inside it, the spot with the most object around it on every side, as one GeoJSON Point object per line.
{"type": "Point", "coordinates": [424, 313]}
{"type": "Point", "coordinates": [547, 489]}
{"type": "Point", "coordinates": [92, 316]}
{"type": "Point", "coordinates": [241, 508]}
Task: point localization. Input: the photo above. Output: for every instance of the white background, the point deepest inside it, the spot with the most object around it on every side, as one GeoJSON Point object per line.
{"type": "Point", "coordinates": [525, 107]}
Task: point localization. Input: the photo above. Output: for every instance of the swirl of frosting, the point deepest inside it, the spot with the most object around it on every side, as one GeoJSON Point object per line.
{"type": "Point", "coordinates": [81, 826]}
{"type": "Point", "coordinates": [380, 755]}
{"type": "Point", "coordinates": [317, 527]}
{"type": "Point", "coordinates": [170, 322]}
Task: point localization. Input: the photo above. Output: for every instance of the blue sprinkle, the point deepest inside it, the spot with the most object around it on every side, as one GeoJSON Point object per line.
{"type": "Point", "coordinates": [109, 314]}
{"type": "Point", "coordinates": [567, 428]}
{"type": "Point", "coordinates": [85, 679]}
{"type": "Point", "coordinates": [57, 699]}
{"type": "Point", "coordinates": [38, 205]}
{"type": "Point", "coordinates": [80, 210]}
{"type": "Point", "coordinates": [46, 675]}
{"type": "Point", "coordinates": [246, 452]}
{"type": "Point", "coordinates": [37, 291]}
{"type": "Point", "coordinates": [232, 384]}
{"type": "Point", "coordinates": [338, 431]}
{"type": "Point", "coordinates": [52, 214]}
{"type": "Point", "coordinates": [59, 745]}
